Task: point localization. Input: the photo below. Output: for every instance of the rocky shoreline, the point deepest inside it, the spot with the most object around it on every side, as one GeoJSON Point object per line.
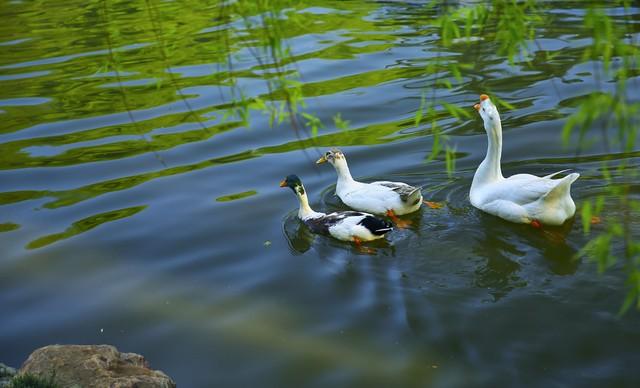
{"type": "Point", "coordinates": [97, 366]}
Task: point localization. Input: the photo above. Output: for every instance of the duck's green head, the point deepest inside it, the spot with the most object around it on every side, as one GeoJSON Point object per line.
{"type": "Point", "coordinates": [294, 183]}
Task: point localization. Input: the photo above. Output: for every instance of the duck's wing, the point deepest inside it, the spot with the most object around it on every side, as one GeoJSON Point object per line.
{"type": "Point", "coordinates": [376, 225]}
{"type": "Point", "coordinates": [348, 219]}
{"type": "Point", "coordinates": [407, 193]}
{"type": "Point", "coordinates": [322, 224]}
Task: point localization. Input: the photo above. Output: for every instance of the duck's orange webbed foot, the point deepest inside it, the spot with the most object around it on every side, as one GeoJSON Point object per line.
{"type": "Point", "coordinates": [433, 205]}
{"type": "Point", "coordinates": [595, 220]}
{"type": "Point", "coordinates": [536, 224]}
{"type": "Point", "coordinates": [361, 248]}
{"type": "Point", "coordinates": [402, 224]}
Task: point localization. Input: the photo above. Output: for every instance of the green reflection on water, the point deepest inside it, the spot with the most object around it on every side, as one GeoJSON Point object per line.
{"type": "Point", "coordinates": [234, 197]}
{"type": "Point", "coordinates": [85, 225]}
{"type": "Point", "coordinates": [162, 52]}
{"type": "Point", "coordinates": [14, 155]}
{"type": "Point", "coordinates": [8, 226]}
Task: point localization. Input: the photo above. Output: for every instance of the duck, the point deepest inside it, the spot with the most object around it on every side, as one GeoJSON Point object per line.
{"type": "Point", "coordinates": [351, 226]}
{"type": "Point", "coordinates": [392, 199]}
{"type": "Point", "coordinates": [521, 198]}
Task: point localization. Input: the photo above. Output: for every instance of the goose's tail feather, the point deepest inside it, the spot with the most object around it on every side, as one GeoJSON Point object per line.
{"type": "Point", "coordinates": [562, 188]}
{"type": "Point", "coordinates": [556, 173]}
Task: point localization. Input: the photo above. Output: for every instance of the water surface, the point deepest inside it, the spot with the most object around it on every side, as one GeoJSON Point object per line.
{"type": "Point", "coordinates": [132, 214]}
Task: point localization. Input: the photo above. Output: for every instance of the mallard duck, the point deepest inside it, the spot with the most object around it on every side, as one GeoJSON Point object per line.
{"type": "Point", "coordinates": [346, 225]}
{"type": "Point", "coordinates": [383, 197]}
{"type": "Point", "coordinates": [521, 198]}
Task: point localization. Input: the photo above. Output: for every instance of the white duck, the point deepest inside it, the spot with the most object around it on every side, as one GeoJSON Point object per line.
{"type": "Point", "coordinates": [383, 197]}
{"type": "Point", "coordinates": [521, 198]}
{"type": "Point", "coordinates": [345, 226]}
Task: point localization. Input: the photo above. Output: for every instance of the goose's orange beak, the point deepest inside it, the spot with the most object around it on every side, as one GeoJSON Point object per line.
{"type": "Point", "coordinates": [482, 98]}
{"type": "Point", "coordinates": [283, 183]}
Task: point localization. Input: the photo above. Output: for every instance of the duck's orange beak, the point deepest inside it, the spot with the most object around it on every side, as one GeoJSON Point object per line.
{"type": "Point", "coordinates": [476, 106]}
{"type": "Point", "coordinates": [283, 183]}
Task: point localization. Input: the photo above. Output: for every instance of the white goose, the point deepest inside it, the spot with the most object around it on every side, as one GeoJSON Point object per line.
{"type": "Point", "coordinates": [521, 198]}
{"type": "Point", "coordinates": [345, 226]}
{"type": "Point", "coordinates": [383, 197]}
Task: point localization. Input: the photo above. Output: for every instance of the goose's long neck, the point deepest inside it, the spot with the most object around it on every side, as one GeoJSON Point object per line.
{"type": "Point", "coordinates": [489, 170]}
{"type": "Point", "coordinates": [344, 175]}
{"type": "Point", "coordinates": [305, 210]}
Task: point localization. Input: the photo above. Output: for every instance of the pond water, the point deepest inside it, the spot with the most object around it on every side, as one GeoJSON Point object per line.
{"type": "Point", "coordinates": [132, 214]}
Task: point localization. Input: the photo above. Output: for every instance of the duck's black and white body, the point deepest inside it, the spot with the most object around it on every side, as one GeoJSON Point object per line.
{"type": "Point", "coordinates": [346, 226]}
{"type": "Point", "coordinates": [521, 198]}
{"type": "Point", "coordinates": [382, 197]}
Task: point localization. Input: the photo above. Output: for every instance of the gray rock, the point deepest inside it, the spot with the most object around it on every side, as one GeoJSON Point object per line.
{"type": "Point", "coordinates": [6, 374]}
{"type": "Point", "coordinates": [94, 366]}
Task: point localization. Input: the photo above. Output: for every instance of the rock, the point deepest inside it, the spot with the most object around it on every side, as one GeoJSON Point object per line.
{"type": "Point", "coordinates": [6, 374]}
{"type": "Point", "coordinates": [93, 366]}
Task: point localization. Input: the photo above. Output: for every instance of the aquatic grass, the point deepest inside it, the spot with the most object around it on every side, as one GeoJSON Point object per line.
{"type": "Point", "coordinates": [28, 380]}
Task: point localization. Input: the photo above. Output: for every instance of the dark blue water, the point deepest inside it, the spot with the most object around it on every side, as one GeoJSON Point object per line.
{"type": "Point", "coordinates": [169, 236]}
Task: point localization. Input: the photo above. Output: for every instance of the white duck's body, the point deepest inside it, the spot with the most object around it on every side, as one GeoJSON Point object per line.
{"type": "Point", "coordinates": [379, 197]}
{"type": "Point", "coordinates": [345, 226]}
{"type": "Point", "coordinates": [521, 198]}
{"type": "Point", "coordinates": [348, 225]}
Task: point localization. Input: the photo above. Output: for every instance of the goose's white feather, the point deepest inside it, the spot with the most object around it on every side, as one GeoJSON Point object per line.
{"type": "Point", "coordinates": [520, 198]}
